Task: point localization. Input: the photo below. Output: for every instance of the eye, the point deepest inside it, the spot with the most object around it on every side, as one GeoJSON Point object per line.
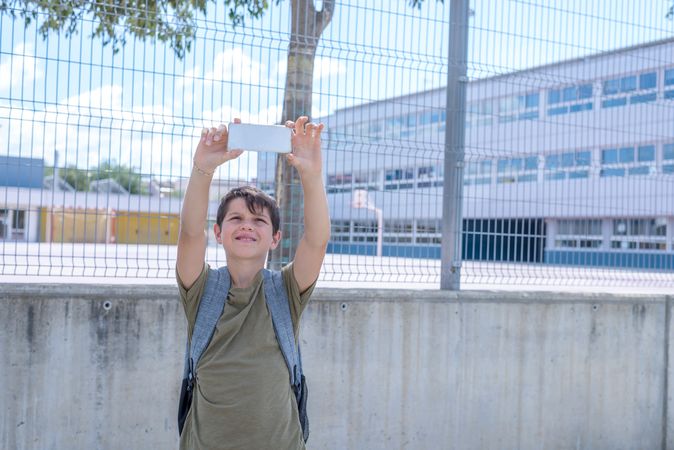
{"type": "Point", "coordinates": [259, 219]}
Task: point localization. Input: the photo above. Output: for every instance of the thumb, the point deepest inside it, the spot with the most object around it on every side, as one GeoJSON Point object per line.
{"type": "Point", "coordinates": [292, 160]}
{"type": "Point", "coordinates": [231, 154]}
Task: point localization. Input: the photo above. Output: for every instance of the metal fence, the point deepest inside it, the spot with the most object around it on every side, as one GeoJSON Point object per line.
{"type": "Point", "coordinates": [564, 168]}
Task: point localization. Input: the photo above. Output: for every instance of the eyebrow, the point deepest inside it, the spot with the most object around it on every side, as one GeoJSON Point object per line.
{"type": "Point", "coordinates": [263, 215]}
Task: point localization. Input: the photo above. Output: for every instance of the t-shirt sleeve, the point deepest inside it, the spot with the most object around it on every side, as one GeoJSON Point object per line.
{"type": "Point", "coordinates": [298, 300]}
{"type": "Point", "coordinates": [190, 297]}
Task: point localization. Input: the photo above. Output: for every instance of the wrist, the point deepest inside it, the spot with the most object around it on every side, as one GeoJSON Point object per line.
{"type": "Point", "coordinates": [203, 171]}
{"type": "Point", "coordinates": [311, 178]}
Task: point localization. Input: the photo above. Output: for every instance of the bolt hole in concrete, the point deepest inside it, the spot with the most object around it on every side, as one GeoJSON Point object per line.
{"type": "Point", "coordinates": [107, 305]}
{"type": "Point", "coordinates": [595, 307]}
{"type": "Point", "coordinates": [344, 306]}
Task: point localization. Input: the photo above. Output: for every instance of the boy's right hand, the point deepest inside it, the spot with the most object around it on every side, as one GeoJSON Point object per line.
{"type": "Point", "coordinates": [212, 149]}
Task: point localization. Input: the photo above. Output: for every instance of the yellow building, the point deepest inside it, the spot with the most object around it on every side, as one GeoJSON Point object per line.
{"type": "Point", "coordinates": [146, 228]}
{"type": "Point", "coordinates": [69, 224]}
{"type": "Point", "coordinates": [108, 226]}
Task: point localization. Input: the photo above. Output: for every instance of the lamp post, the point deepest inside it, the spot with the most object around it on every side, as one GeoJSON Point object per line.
{"type": "Point", "coordinates": [361, 199]}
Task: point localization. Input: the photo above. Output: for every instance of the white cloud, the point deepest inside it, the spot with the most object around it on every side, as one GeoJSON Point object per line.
{"type": "Point", "coordinates": [327, 67]}
{"type": "Point", "coordinates": [107, 97]}
{"type": "Point", "coordinates": [234, 65]}
{"type": "Point", "coordinates": [19, 67]}
{"type": "Point", "coordinates": [188, 78]}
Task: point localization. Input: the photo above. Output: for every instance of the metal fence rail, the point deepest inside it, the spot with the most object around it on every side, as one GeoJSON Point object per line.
{"type": "Point", "coordinates": [566, 168]}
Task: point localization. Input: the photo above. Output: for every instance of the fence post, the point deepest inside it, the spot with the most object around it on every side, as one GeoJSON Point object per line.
{"type": "Point", "coordinates": [450, 271]}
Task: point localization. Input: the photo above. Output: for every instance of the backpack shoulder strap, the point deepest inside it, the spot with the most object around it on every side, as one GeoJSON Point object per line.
{"type": "Point", "coordinates": [276, 297]}
{"type": "Point", "coordinates": [211, 306]}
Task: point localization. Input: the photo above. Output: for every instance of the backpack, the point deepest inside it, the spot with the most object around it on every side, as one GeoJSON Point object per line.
{"type": "Point", "coordinates": [210, 309]}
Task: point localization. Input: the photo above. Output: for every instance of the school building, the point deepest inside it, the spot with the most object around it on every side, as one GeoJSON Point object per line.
{"type": "Point", "coordinates": [36, 208]}
{"type": "Point", "coordinates": [568, 163]}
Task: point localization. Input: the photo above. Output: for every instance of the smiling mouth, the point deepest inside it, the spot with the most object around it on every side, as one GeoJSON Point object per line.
{"type": "Point", "coordinates": [246, 239]}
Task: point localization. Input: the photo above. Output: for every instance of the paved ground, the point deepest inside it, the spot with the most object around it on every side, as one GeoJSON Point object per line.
{"type": "Point", "coordinates": [154, 264]}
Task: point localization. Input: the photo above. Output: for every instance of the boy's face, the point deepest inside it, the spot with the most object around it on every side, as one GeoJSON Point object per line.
{"type": "Point", "coordinates": [246, 235]}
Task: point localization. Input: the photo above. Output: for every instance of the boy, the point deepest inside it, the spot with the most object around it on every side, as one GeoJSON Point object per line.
{"type": "Point", "coordinates": [242, 398]}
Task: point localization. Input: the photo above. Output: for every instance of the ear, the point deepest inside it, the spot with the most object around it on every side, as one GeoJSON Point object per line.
{"type": "Point", "coordinates": [218, 233]}
{"type": "Point", "coordinates": [275, 239]}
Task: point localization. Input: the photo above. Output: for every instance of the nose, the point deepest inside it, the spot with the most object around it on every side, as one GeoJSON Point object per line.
{"type": "Point", "coordinates": [246, 225]}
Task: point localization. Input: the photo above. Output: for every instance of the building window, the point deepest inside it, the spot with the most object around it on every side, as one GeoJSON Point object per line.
{"type": "Point", "coordinates": [339, 179]}
{"type": "Point", "coordinates": [341, 230]}
{"type": "Point", "coordinates": [634, 89]}
{"type": "Point", "coordinates": [398, 226]}
{"type": "Point", "coordinates": [19, 219]}
{"type": "Point", "coordinates": [570, 99]}
{"type": "Point", "coordinates": [395, 179]}
{"type": "Point", "coordinates": [4, 213]}
{"type": "Point", "coordinates": [480, 113]}
{"type": "Point", "coordinates": [639, 234]}
{"type": "Point", "coordinates": [428, 232]}
{"type": "Point", "coordinates": [366, 180]}
{"type": "Point", "coordinates": [477, 172]}
{"type": "Point", "coordinates": [341, 226]}
{"type": "Point", "coordinates": [519, 107]}
{"type": "Point", "coordinates": [426, 174]}
{"type": "Point", "coordinates": [619, 162]}
{"type": "Point", "coordinates": [569, 165]}
{"type": "Point", "coordinates": [339, 183]}
{"type": "Point", "coordinates": [428, 226]}
{"type": "Point", "coordinates": [395, 124]}
{"type": "Point", "coordinates": [517, 170]}
{"type": "Point", "coordinates": [669, 84]}
{"type": "Point", "coordinates": [578, 233]}
{"type": "Point", "coordinates": [423, 125]}
{"type": "Point", "coordinates": [364, 231]}
{"type": "Point", "coordinates": [399, 231]}
{"type": "Point", "coordinates": [668, 159]}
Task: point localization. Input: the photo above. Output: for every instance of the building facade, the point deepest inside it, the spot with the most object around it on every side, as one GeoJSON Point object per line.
{"type": "Point", "coordinates": [569, 163]}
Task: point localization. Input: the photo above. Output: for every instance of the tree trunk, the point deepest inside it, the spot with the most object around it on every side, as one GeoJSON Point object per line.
{"type": "Point", "coordinates": [307, 25]}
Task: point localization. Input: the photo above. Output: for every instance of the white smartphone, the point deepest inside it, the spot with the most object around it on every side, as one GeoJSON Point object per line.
{"type": "Point", "coordinates": [259, 138]}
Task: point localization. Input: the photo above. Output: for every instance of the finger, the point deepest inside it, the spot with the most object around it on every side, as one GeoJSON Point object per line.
{"type": "Point", "coordinates": [291, 159]}
{"type": "Point", "coordinates": [219, 132]}
{"type": "Point", "coordinates": [299, 124]}
{"type": "Point", "coordinates": [237, 120]}
{"type": "Point", "coordinates": [209, 137]}
{"type": "Point", "coordinates": [310, 128]}
{"type": "Point", "coordinates": [204, 133]}
{"type": "Point", "coordinates": [290, 124]}
{"type": "Point", "coordinates": [319, 129]}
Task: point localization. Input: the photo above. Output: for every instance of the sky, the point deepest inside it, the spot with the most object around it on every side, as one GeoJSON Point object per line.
{"type": "Point", "coordinates": [144, 107]}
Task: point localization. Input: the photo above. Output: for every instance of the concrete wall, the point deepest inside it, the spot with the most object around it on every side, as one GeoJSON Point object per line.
{"type": "Point", "coordinates": [85, 367]}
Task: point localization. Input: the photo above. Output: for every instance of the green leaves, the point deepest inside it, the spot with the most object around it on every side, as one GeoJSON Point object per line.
{"type": "Point", "coordinates": [170, 21]}
{"type": "Point", "coordinates": [127, 177]}
{"type": "Point", "coordinates": [80, 179]}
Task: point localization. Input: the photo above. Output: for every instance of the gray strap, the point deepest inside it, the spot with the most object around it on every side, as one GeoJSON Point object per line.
{"type": "Point", "coordinates": [210, 309]}
{"type": "Point", "coordinates": [279, 309]}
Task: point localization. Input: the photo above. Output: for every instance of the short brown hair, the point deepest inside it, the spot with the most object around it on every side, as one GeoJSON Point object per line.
{"type": "Point", "coordinates": [256, 201]}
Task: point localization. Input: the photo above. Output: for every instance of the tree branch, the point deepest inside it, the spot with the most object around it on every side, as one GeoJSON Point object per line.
{"type": "Point", "coordinates": [325, 15]}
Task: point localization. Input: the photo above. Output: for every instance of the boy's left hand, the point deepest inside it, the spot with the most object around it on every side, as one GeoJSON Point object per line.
{"type": "Point", "coordinates": [306, 144]}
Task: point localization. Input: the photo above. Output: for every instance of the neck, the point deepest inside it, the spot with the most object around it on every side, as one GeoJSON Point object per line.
{"type": "Point", "coordinates": [243, 273]}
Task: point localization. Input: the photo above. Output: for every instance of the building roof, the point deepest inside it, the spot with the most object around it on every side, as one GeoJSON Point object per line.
{"type": "Point", "coordinates": [523, 71]}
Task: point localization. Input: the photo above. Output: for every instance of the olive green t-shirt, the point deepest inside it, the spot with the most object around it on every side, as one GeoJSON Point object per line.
{"type": "Point", "coordinates": [242, 396]}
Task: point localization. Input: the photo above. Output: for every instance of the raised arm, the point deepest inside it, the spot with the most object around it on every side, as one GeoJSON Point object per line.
{"type": "Point", "coordinates": [210, 153]}
{"type": "Point", "coordinates": [306, 158]}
